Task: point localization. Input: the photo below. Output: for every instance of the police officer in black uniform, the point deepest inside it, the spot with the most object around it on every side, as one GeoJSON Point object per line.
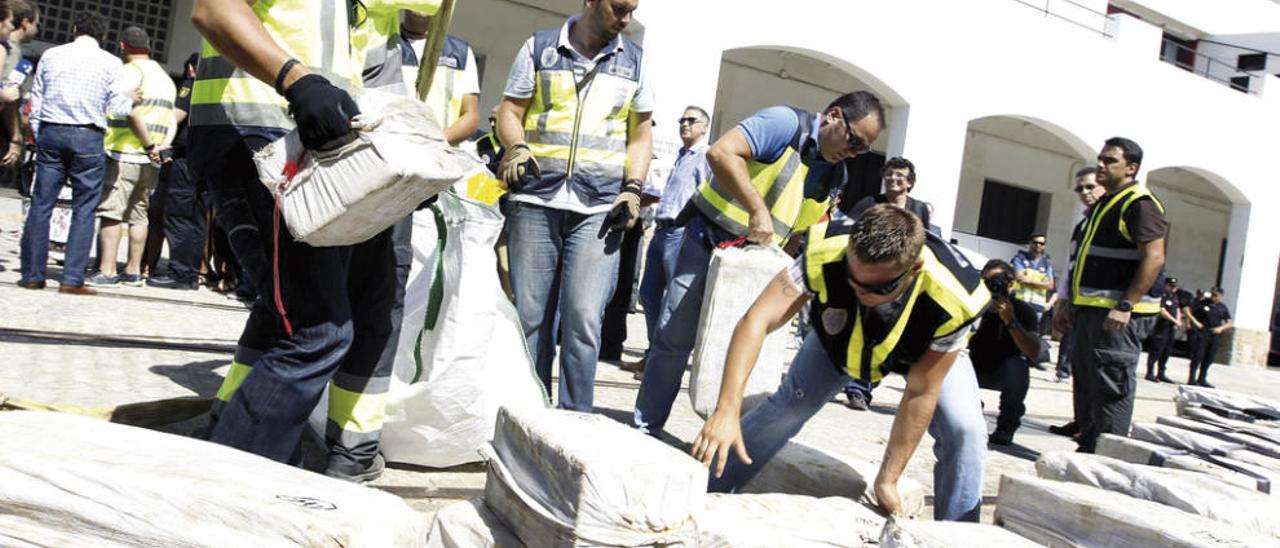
{"type": "Point", "coordinates": [183, 206]}
{"type": "Point", "coordinates": [1209, 320]}
{"type": "Point", "coordinates": [1161, 340]}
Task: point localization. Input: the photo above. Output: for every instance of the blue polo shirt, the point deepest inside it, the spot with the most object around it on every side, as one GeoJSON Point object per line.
{"type": "Point", "coordinates": [769, 133]}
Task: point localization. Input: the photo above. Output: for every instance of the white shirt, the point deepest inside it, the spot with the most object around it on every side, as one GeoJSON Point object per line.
{"type": "Point", "coordinates": [78, 84]}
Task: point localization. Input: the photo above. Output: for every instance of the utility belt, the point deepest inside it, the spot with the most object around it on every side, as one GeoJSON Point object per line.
{"type": "Point", "coordinates": [77, 126]}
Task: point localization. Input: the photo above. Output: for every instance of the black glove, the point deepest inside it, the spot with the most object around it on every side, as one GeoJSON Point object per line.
{"type": "Point", "coordinates": [626, 208]}
{"type": "Point", "coordinates": [322, 111]}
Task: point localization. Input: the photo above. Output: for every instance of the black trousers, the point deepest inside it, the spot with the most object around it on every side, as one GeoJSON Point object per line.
{"type": "Point", "coordinates": [1106, 364]}
{"type": "Point", "coordinates": [613, 330]}
{"type": "Point", "coordinates": [1161, 344]}
{"type": "Point", "coordinates": [1012, 377]}
{"type": "Point", "coordinates": [184, 220]}
{"type": "Point", "coordinates": [1204, 346]}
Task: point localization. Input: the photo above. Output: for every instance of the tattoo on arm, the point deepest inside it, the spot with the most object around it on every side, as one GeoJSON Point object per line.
{"type": "Point", "coordinates": [789, 288]}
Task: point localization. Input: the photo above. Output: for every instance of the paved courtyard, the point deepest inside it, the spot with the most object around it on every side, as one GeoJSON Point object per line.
{"type": "Point", "coordinates": [136, 344]}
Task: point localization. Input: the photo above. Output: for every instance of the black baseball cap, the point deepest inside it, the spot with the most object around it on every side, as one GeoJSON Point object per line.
{"type": "Point", "coordinates": [1171, 280]}
{"type": "Point", "coordinates": [135, 38]}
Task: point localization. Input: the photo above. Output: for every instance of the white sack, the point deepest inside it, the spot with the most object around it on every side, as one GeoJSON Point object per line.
{"type": "Point", "coordinates": [445, 393]}
{"type": "Point", "coordinates": [1200, 444]}
{"type": "Point", "coordinates": [794, 521]}
{"type": "Point", "coordinates": [800, 469]}
{"type": "Point", "coordinates": [1224, 432]}
{"type": "Point", "coordinates": [735, 277]}
{"type": "Point", "coordinates": [1226, 399]}
{"type": "Point", "coordinates": [900, 533]}
{"type": "Point", "coordinates": [593, 477]}
{"type": "Point", "coordinates": [1187, 491]}
{"type": "Point", "coordinates": [348, 195]}
{"type": "Point", "coordinates": [470, 524]}
{"type": "Point", "coordinates": [1057, 513]}
{"type": "Point", "coordinates": [67, 480]}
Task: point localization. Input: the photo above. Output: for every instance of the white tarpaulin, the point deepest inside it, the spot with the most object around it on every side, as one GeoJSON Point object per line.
{"type": "Point", "coordinates": [1226, 469]}
{"type": "Point", "coordinates": [1187, 491]}
{"type": "Point", "coordinates": [794, 521]}
{"type": "Point", "coordinates": [799, 469]}
{"type": "Point", "coordinates": [568, 475]}
{"type": "Point", "coordinates": [461, 352]}
{"type": "Point", "coordinates": [1058, 513]}
{"type": "Point", "coordinates": [67, 480]}
{"type": "Point", "coordinates": [470, 524]}
{"type": "Point", "coordinates": [948, 534]}
{"type": "Point", "coordinates": [735, 277]}
{"type": "Point", "coordinates": [348, 195]}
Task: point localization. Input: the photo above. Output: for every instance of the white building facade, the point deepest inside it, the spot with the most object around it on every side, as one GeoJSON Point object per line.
{"type": "Point", "coordinates": [997, 102]}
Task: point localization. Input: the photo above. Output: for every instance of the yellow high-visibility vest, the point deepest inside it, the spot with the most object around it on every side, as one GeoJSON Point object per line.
{"type": "Point", "coordinates": [156, 109]}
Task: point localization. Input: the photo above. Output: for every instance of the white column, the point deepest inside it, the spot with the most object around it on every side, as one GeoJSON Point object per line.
{"type": "Point", "coordinates": [933, 139]}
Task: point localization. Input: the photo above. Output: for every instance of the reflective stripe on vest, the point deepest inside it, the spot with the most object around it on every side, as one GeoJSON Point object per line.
{"type": "Point", "coordinates": [226, 95]}
{"type": "Point", "coordinates": [1031, 294]}
{"type": "Point", "coordinates": [380, 48]}
{"type": "Point", "coordinates": [1108, 244]}
{"type": "Point", "coordinates": [156, 110]}
{"type": "Point", "coordinates": [443, 99]}
{"type": "Point", "coordinates": [781, 186]}
{"type": "Point", "coordinates": [579, 136]}
{"type": "Point", "coordinates": [939, 283]}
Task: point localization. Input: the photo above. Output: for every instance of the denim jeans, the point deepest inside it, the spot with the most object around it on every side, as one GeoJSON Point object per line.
{"type": "Point", "coordinates": [958, 429]}
{"type": "Point", "coordinates": [677, 327]}
{"type": "Point", "coordinates": [65, 153]}
{"type": "Point", "coordinates": [564, 267]}
{"type": "Point", "coordinates": [659, 269]}
{"type": "Point", "coordinates": [336, 300]}
{"type": "Point", "coordinates": [1012, 378]}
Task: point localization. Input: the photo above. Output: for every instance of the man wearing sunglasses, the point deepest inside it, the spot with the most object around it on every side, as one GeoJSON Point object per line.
{"type": "Point", "coordinates": [1034, 271]}
{"type": "Point", "coordinates": [884, 296]}
{"type": "Point", "coordinates": [1115, 295]}
{"type": "Point", "coordinates": [772, 176]}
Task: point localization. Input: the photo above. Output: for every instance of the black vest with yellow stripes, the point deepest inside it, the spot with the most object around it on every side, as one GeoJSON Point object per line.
{"type": "Point", "coordinates": [1107, 258]}
{"type": "Point", "coordinates": [947, 295]}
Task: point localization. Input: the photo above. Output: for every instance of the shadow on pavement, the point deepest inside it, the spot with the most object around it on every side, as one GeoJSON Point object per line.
{"type": "Point", "coordinates": [197, 377]}
{"type": "Point", "coordinates": [44, 336]}
{"type": "Point", "coordinates": [1016, 451]}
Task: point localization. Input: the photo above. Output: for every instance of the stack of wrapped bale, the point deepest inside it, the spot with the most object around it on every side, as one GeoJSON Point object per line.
{"type": "Point", "coordinates": [800, 469]}
{"type": "Point", "coordinates": [1223, 468]}
{"type": "Point", "coordinates": [769, 520]}
{"type": "Point", "coordinates": [948, 534]}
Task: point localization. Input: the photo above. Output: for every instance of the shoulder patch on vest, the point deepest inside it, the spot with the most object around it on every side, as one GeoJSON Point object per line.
{"type": "Point", "coordinates": [834, 320]}
{"type": "Point", "coordinates": [550, 56]}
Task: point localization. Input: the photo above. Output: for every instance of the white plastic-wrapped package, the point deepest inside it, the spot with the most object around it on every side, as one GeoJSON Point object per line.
{"type": "Point", "coordinates": [1225, 399]}
{"type": "Point", "coordinates": [1187, 491]}
{"type": "Point", "coordinates": [1224, 432]}
{"type": "Point", "coordinates": [773, 520]}
{"type": "Point", "coordinates": [67, 480]}
{"type": "Point", "coordinates": [735, 277]}
{"type": "Point", "coordinates": [799, 469]}
{"type": "Point", "coordinates": [1225, 469]}
{"type": "Point", "coordinates": [1201, 444]}
{"type": "Point", "coordinates": [348, 195]}
{"type": "Point", "coordinates": [470, 524]}
{"type": "Point", "coordinates": [1058, 513]}
{"type": "Point", "coordinates": [948, 534]}
{"type": "Point", "coordinates": [574, 479]}
{"type": "Point", "coordinates": [1260, 429]}
{"type": "Point", "coordinates": [461, 353]}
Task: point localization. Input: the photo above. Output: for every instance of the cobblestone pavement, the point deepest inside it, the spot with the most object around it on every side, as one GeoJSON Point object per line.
{"type": "Point", "coordinates": [136, 344]}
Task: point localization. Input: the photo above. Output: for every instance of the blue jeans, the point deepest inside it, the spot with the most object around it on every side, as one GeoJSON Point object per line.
{"type": "Point", "coordinates": [65, 153]}
{"type": "Point", "coordinates": [659, 269]}
{"type": "Point", "coordinates": [677, 327]}
{"type": "Point", "coordinates": [958, 430]}
{"type": "Point", "coordinates": [564, 267]}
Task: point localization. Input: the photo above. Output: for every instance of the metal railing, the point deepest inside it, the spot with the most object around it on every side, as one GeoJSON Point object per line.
{"type": "Point", "coordinates": [1213, 69]}
{"type": "Point", "coordinates": [1048, 8]}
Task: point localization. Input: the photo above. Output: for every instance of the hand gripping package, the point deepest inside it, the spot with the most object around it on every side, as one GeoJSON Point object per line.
{"type": "Point", "coordinates": [345, 196]}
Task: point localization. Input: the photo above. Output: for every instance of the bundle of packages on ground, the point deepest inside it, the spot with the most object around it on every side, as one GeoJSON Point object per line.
{"type": "Point", "coordinates": [799, 469]}
{"type": "Point", "coordinates": [734, 277]}
{"type": "Point", "coordinates": [470, 524]}
{"type": "Point", "coordinates": [561, 478]}
{"type": "Point", "coordinates": [398, 159]}
{"type": "Point", "coordinates": [1224, 400]}
{"type": "Point", "coordinates": [1232, 471]}
{"type": "Point", "coordinates": [1267, 430]}
{"type": "Point", "coordinates": [900, 533]}
{"type": "Point", "coordinates": [771, 520]}
{"type": "Point", "coordinates": [1201, 444]}
{"type": "Point", "coordinates": [1255, 443]}
{"type": "Point", "coordinates": [1058, 513]}
{"type": "Point", "coordinates": [1187, 491]}
{"type": "Point", "coordinates": [73, 481]}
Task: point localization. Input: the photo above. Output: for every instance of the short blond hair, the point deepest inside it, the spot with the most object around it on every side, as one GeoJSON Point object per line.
{"type": "Point", "coordinates": [887, 233]}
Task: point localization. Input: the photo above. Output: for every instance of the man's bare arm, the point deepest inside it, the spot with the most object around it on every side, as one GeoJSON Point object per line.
{"type": "Point", "coordinates": [915, 411]}
{"type": "Point", "coordinates": [237, 33]}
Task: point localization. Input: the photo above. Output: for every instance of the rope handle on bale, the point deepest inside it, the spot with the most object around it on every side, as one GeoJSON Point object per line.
{"type": "Point", "coordinates": [290, 170]}
{"type": "Point", "coordinates": [736, 242]}
{"type": "Point", "coordinates": [435, 296]}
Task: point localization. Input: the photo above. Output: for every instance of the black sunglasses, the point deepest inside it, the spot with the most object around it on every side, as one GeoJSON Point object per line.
{"type": "Point", "coordinates": [855, 143]}
{"type": "Point", "coordinates": [880, 289]}
{"type": "Point", "coordinates": [689, 120]}
{"type": "Point", "coordinates": [1037, 243]}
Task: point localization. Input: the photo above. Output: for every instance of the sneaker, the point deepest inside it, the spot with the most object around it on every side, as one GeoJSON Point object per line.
{"type": "Point", "coordinates": [373, 472]}
{"type": "Point", "coordinates": [131, 280]}
{"type": "Point", "coordinates": [1000, 437]}
{"type": "Point", "coordinates": [857, 401]}
{"type": "Point", "coordinates": [167, 282]}
{"type": "Point", "coordinates": [1070, 429]}
{"type": "Point", "coordinates": [102, 280]}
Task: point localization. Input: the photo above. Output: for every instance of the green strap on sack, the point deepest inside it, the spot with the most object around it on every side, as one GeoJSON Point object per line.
{"type": "Point", "coordinates": [436, 295]}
